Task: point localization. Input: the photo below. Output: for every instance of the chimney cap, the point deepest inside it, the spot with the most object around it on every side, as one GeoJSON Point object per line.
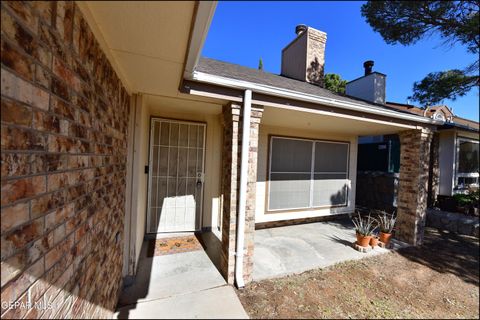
{"type": "Point", "coordinates": [368, 65]}
{"type": "Point", "coordinates": [301, 28]}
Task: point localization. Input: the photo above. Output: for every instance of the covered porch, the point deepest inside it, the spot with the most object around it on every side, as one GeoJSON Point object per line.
{"type": "Point", "coordinates": [294, 249]}
{"type": "Point", "coordinates": [206, 119]}
{"type": "Point", "coordinates": [329, 191]}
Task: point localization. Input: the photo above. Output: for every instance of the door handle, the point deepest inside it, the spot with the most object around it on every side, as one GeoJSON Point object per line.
{"type": "Point", "coordinates": [200, 178]}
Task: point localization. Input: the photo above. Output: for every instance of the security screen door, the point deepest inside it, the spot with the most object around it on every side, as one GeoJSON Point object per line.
{"type": "Point", "coordinates": [175, 181]}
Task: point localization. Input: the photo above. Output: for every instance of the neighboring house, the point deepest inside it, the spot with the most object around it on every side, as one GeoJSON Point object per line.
{"type": "Point", "coordinates": [454, 163]}
{"type": "Point", "coordinates": [457, 143]}
{"type": "Point", "coordinates": [114, 129]}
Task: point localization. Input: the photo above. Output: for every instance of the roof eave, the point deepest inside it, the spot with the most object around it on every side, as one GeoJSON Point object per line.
{"type": "Point", "coordinates": [447, 126]}
{"type": "Point", "coordinates": [198, 34]}
{"type": "Point", "coordinates": [279, 92]}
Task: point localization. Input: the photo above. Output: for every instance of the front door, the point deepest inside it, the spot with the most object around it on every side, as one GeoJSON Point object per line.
{"type": "Point", "coordinates": [175, 180]}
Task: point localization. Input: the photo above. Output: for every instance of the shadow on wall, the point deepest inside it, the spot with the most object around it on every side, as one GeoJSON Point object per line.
{"type": "Point", "coordinates": [340, 196]}
{"type": "Point", "coordinates": [315, 71]}
{"type": "Point", "coordinates": [175, 193]}
{"type": "Point", "coordinates": [63, 162]}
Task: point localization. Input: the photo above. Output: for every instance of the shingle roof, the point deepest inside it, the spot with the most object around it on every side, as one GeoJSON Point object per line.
{"type": "Point", "coordinates": [238, 72]}
{"type": "Point", "coordinates": [457, 121]}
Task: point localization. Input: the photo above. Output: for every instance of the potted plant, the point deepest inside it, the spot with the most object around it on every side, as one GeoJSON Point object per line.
{"type": "Point", "coordinates": [387, 222]}
{"type": "Point", "coordinates": [475, 197]}
{"type": "Point", "coordinates": [364, 228]}
{"type": "Point", "coordinates": [463, 203]}
{"type": "Point", "coordinates": [374, 240]}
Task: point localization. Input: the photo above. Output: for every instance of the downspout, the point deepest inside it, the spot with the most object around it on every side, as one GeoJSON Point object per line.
{"type": "Point", "coordinates": [247, 109]}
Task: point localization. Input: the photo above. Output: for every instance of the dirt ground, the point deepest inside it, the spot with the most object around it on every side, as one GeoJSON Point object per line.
{"type": "Point", "coordinates": [437, 280]}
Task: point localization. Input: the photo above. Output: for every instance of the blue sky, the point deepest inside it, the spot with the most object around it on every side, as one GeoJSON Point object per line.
{"type": "Point", "coordinates": [242, 32]}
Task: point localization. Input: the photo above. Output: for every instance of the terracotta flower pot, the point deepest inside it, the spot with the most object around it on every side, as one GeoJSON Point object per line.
{"type": "Point", "coordinates": [374, 241]}
{"type": "Point", "coordinates": [385, 237]}
{"type": "Point", "coordinates": [362, 240]}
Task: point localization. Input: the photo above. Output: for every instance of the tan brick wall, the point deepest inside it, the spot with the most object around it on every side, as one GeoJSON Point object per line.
{"type": "Point", "coordinates": [316, 56]}
{"type": "Point", "coordinates": [63, 155]}
{"type": "Point", "coordinates": [255, 120]}
{"type": "Point", "coordinates": [413, 185]}
{"type": "Point", "coordinates": [230, 172]}
{"type": "Point", "coordinates": [232, 122]}
{"type": "Point", "coordinates": [284, 223]}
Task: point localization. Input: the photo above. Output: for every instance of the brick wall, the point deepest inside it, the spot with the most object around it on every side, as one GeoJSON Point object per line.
{"type": "Point", "coordinates": [316, 56]}
{"type": "Point", "coordinates": [256, 117]}
{"type": "Point", "coordinates": [292, 222]}
{"type": "Point", "coordinates": [63, 157]}
{"type": "Point", "coordinates": [230, 186]}
{"type": "Point", "coordinates": [413, 185]}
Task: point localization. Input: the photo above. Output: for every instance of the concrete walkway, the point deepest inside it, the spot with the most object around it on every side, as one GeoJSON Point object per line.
{"type": "Point", "coordinates": [295, 249]}
{"type": "Point", "coordinates": [176, 286]}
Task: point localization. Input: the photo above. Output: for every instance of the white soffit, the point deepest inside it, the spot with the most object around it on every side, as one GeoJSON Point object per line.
{"type": "Point", "coordinates": [347, 125]}
{"type": "Point", "coordinates": [146, 41]}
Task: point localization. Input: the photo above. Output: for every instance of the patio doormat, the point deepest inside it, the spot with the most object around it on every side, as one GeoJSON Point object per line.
{"type": "Point", "coordinates": [166, 246]}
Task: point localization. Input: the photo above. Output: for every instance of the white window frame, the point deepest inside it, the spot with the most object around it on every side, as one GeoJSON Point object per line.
{"type": "Point", "coordinates": [457, 159]}
{"type": "Point", "coordinates": [312, 174]}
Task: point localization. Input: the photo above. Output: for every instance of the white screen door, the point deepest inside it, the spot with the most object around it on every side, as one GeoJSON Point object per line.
{"type": "Point", "coordinates": [175, 180]}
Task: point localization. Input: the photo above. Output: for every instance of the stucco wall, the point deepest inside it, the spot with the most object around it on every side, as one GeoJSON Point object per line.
{"type": "Point", "coordinates": [371, 87]}
{"type": "Point", "coordinates": [446, 161]}
{"type": "Point", "coordinates": [63, 164]}
{"type": "Point", "coordinates": [265, 131]}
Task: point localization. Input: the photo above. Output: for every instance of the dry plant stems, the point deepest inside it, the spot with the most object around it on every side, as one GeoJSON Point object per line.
{"type": "Point", "coordinates": [364, 226]}
{"type": "Point", "coordinates": [387, 221]}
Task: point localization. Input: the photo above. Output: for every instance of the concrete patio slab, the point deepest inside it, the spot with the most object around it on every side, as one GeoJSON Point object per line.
{"type": "Point", "coordinates": [165, 276]}
{"type": "Point", "coordinates": [215, 303]}
{"type": "Point", "coordinates": [294, 249]}
{"type": "Point", "coordinates": [180, 285]}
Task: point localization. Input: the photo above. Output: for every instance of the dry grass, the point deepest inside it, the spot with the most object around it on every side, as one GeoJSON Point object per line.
{"type": "Point", "coordinates": [438, 280]}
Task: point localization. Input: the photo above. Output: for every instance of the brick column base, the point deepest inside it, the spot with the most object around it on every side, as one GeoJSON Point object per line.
{"type": "Point", "coordinates": [413, 185]}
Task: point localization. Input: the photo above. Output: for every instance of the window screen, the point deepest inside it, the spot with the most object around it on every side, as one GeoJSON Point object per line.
{"type": "Point", "coordinates": [467, 156]}
{"type": "Point", "coordinates": [467, 169]}
{"type": "Point", "coordinates": [330, 176]}
{"type": "Point", "coordinates": [307, 173]}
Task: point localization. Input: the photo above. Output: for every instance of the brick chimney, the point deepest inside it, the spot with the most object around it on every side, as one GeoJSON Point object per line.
{"type": "Point", "coordinates": [304, 58]}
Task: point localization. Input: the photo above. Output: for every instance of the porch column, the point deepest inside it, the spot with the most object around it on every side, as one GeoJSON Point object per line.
{"type": "Point", "coordinates": [230, 187]}
{"type": "Point", "coordinates": [413, 185]}
{"type": "Point", "coordinates": [255, 120]}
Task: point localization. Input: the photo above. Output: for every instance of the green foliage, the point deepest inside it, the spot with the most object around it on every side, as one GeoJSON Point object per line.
{"type": "Point", "coordinates": [260, 64]}
{"type": "Point", "coordinates": [364, 226]}
{"type": "Point", "coordinates": [407, 22]}
{"type": "Point", "coordinates": [475, 196]}
{"type": "Point", "coordinates": [467, 199]}
{"type": "Point", "coordinates": [335, 83]}
{"type": "Point", "coordinates": [386, 221]}
{"type": "Point", "coordinates": [437, 86]}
